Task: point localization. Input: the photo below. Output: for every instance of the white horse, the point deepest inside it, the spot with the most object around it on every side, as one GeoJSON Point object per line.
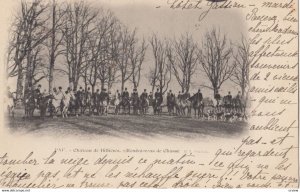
{"type": "Point", "coordinates": [65, 104]}
{"type": "Point", "coordinates": [10, 106]}
{"type": "Point", "coordinates": [56, 102]}
{"type": "Point", "coordinates": [116, 105]}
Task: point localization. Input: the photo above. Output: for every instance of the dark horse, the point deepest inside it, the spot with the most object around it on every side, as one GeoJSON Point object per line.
{"type": "Point", "coordinates": [144, 105]}
{"type": "Point", "coordinates": [125, 105]}
{"type": "Point", "coordinates": [135, 101]}
{"type": "Point", "coordinates": [171, 102]}
{"type": "Point", "coordinates": [227, 103]}
{"type": "Point", "coordinates": [197, 105]}
{"type": "Point", "coordinates": [157, 106]}
{"type": "Point", "coordinates": [44, 104]}
{"type": "Point", "coordinates": [30, 105]}
{"type": "Point", "coordinates": [79, 104]}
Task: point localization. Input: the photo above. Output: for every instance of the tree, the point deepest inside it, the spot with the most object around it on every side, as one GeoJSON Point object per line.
{"type": "Point", "coordinates": [240, 75]}
{"type": "Point", "coordinates": [214, 57]}
{"type": "Point", "coordinates": [54, 42]}
{"type": "Point", "coordinates": [35, 73]}
{"type": "Point", "coordinates": [160, 75]}
{"type": "Point", "coordinates": [28, 31]}
{"type": "Point", "coordinates": [99, 50]}
{"type": "Point", "coordinates": [121, 55]}
{"type": "Point", "coordinates": [78, 24]}
{"type": "Point", "coordinates": [136, 56]}
{"type": "Point", "coordinates": [183, 59]}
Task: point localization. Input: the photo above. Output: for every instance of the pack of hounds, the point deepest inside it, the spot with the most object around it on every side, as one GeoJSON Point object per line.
{"type": "Point", "coordinates": [87, 102]}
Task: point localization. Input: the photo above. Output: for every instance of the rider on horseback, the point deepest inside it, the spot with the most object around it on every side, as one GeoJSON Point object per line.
{"type": "Point", "coordinates": [228, 102]}
{"type": "Point", "coordinates": [170, 102]}
{"type": "Point", "coordinates": [125, 94]}
{"type": "Point", "coordinates": [158, 96]}
{"type": "Point", "coordinates": [217, 98]}
{"type": "Point", "coordinates": [117, 95]}
{"type": "Point", "coordinates": [37, 95]}
{"type": "Point", "coordinates": [144, 102]}
{"type": "Point", "coordinates": [238, 101]}
{"type": "Point", "coordinates": [144, 95]}
{"type": "Point", "coordinates": [199, 95]}
{"type": "Point", "coordinates": [104, 95]}
{"type": "Point", "coordinates": [88, 96]}
{"type": "Point", "coordinates": [179, 96]}
{"type": "Point", "coordinates": [134, 95]}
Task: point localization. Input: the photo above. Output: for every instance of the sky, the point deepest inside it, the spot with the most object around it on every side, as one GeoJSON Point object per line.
{"type": "Point", "coordinates": [167, 23]}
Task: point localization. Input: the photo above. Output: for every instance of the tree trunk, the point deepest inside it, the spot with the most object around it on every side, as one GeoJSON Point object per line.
{"type": "Point", "coordinates": [215, 91]}
{"type": "Point", "coordinates": [52, 55]}
{"type": "Point", "coordinates": [153, 87]}
{"type": "Point", "coordinates": [102, 84]}
{"type": "Point", "coordinates": [20, 81]}
{"type": "Point", "coordinates": [122, 84]}
{"type": "Point", "coordinates": [243, 91]}
{"type": "Point", "coordinates": [93, 88]}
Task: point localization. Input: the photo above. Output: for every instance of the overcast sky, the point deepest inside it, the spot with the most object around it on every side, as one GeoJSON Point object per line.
{"type": "Point", "coordinates": [169, 23]}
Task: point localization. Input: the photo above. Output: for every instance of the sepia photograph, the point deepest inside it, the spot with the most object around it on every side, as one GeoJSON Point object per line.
{"type": "Point", "coordinates": [88, 67]}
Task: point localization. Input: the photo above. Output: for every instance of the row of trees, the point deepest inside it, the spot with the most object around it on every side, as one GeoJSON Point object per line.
{"type": "Point", "coordinates": [91, 45]}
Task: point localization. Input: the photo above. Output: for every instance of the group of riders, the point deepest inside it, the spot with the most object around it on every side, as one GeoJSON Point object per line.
{"type": "Point", "coordinates": [97, 102]}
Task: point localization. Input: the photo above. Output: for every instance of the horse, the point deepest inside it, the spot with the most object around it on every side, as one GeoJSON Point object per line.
{"type": "Point", "coordinates": [177, 106]}
{"type": "Point", "coordinates": [65, 103]}
{"type": "Point", "coordinates": [186, 104]}
{"type": "Point", "coordinates": [227, 103]}
{"type": "Point", "coordinates": [198, 106]}
{"type": "Point", "coordinates": [79, 104]}
{"type": "Point", "coordinates": [135, 102]}
{"type": "Point", "coordinates": [171, 104]}
{"type": "Point", "coordinates": [103, 105]}
{"type": "Point", "coordinates": [115, 102]}
{"type": "Point", "coordinates": [55, 106]}
{"type": "Point", "coordinates": [157, 106]}
{"type": "Point", "coordinates": [72, 104]}
{"type": "Point", "coordinates": [44, 104]}
{"type": "Point", "coordinates": [30, 105]}
{"type": "Point", "coordinates": [87, 103]}
{"type": "Point", "coordinates": [144, 105]}
{"type": "Point", "coordinates": [125, 104]}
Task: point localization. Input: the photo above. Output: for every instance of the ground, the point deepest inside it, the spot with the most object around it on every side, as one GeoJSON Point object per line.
{"type": "Point", "coordinates": [124, 126]}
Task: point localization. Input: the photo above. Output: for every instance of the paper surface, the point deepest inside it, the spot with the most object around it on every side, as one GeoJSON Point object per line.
{"type": "Point", "coordinates": [127, 151]}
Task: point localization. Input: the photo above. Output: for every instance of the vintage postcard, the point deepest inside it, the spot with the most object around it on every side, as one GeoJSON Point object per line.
{"type": "Point", "coordinates": [149, 94]}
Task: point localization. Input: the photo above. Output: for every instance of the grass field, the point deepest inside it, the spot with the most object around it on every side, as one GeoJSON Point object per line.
{"type": "Point", "coordinates": [123, 126]}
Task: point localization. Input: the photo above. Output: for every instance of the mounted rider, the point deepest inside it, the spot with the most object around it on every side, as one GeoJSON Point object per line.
{"type": "Point", "coordinates": [80, 94]}
{"type": "Point", "coordinates": [60, 94]}
{"type": "Point", "coordinates": [134, 94]}
{"type": "Point", "coordinates": [229, 97]}
{"type": "Point", "coordinates": [170, 97]}
{"type": "Point", "coordinates": [125, 94]}
{"type": "Point", "coordinates": [179, 96]}
{"type": "Point", "coordinates": [57, 98]}
{"type": "Point", "coordinates": [117, 95]}
{"type": "Point", "coordinates": [199, 96]}
{"type": "Point", "coordinates": [37, 95]}
{"type": "Point", "coordinates": [104, 96]}
{"type": "Point", "coordinates": [238, 100]}
{"type": "Point", "coordinates": [158, 96]}
{"type": "Point", "coordinates": [150, 98]}
{"type": "Point", "coordinates": [9, 97]}
{"type": "Point", "coordinates": [95, 96]}
{"type": "Point", "coordinates": [144, 95]}
{"type": "Point", "coordinates": [186, 95]}
{"type": "Point", "coordinates": [228, 102]}
{"type": "Point", "coordinates": [217, 98]}
{"type": "Point", "coordinates": [9, 93]}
